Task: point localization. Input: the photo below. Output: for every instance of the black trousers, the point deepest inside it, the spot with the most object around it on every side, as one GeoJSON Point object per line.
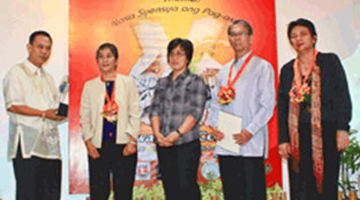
{"type": "Point", "coordinates": [179, 167]}
{"type": "Point", "coordinates": [243, 177]}
{"type": "Point", "coordinates": [112, 162]}
{"type": "Point", "coordinates": [37, 178]}
{"type": "Point", "coordinates": [303, 184]}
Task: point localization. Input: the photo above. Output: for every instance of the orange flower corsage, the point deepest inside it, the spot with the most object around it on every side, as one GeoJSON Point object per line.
{"type": "Point", "coordinates": [300, 93]}
{"type": "Point", "coordinates": [226, 95]}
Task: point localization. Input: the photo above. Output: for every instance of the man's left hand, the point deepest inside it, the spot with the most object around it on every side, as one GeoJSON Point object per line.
{"type": "Point", "coordinates": [243, 137]}
{"type": "Point", "coordinates": [51, 114]}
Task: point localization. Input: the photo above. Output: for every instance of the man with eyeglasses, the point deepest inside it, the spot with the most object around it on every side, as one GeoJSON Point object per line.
{"type": "Point", "coordinates": [246, 90]}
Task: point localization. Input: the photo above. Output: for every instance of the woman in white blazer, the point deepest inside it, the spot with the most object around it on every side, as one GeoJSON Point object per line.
{"type": "Point", "coordinates": [110, 121]}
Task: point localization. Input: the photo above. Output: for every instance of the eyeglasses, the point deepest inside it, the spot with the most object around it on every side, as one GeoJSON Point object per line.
{"type": "Point", "coordinates": [301, 34]}
{"type": "Point", "coordinates": [176, 54]}
{"type": "Point", "coordinates": [238, 34]}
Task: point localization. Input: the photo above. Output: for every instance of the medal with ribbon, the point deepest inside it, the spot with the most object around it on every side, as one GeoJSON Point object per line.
{"type": "Point", "coordinates": [301, 90]}
{"type": "Point", "coordinates": [227, 93]}
{"type": "Point", "coordinates": [111, 108]}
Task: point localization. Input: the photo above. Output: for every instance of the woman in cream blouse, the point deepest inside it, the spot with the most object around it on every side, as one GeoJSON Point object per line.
{"type": "Point", "coordinates": [110, 121]}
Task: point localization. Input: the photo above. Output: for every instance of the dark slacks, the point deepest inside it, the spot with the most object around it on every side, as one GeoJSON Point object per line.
{"type": "Point", "coordinates": [179, 167]}
{"type": "Point", "coordinates": [243, 177]}
{"type": "Point", "coordinates": [112, 162]}
{"type": "Point", "coordinates": [37, 178]}
{"type": "Point", "coordinates": [303, 184]}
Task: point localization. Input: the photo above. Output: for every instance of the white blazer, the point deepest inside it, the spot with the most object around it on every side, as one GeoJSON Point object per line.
{"type": "Point", "coordinates": [92, 102]}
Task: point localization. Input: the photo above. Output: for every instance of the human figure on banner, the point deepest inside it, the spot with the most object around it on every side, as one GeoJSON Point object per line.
{"type": "Point", "coordinates": [146, 73]}
{"type": "Point", "coordinates": [110, 122]}
{"type": "Point", "coordinates": [32, 100]}
{"type": "Point", "coordinates": [314, 111]}
{"type": "Point", "coordinates": [205, 34]}
{"type": "Point", "coordinates": [151, 66]}
{"type": "Point", "coordinates": [175, 112]}
{"type": "Point", "coordinates": [239, 113]}
{"type": "Point", "coordinates": [209, 74]}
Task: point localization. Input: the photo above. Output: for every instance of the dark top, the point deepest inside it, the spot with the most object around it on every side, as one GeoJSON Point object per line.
{"type": "Point", "coordinates": [174, 100]}
{"type": "Point", "coordinates": [335, 97]}
{"type": "Point", "coordinates": [109, 129]}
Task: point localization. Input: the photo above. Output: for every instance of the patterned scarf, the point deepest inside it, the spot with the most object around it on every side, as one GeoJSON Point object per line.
{"type": "Point", "coordinates": [316, 129]}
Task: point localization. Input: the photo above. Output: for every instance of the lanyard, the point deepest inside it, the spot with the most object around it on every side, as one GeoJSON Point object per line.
{"type": "Point", "coordinates": [231, 83]}
{"type": "Point", "coordinates": [112, 100]}
{"type": "Point", "coordinates": [308, 71]}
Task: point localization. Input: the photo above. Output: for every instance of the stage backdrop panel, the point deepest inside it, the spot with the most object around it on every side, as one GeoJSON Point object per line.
{"type": "Point", "coordinates": [141, 31]}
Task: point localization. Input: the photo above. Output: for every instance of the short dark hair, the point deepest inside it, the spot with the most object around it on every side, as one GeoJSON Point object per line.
{"type": "Point", "coordinates": [36, 33]}
{"type": "Point", "coordinates": [185, 44]}
{"type": "Point", "coordinates": [110, 46]}
{"type": "Point", "coordinates": [243, 22]}
{"type": "Point", "coordinates": [301, 22]}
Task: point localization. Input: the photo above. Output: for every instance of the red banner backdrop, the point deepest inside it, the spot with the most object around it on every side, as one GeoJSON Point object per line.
{"type": "Point", "coordinates": [141, 31]}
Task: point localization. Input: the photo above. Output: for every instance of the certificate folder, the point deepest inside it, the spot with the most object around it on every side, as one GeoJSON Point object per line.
{"type": "Point", "coordinates": [229, 124]}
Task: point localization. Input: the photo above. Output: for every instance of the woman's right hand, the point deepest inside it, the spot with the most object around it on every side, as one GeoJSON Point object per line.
{"type": "Point", "coordinates": [284, 150]}
{"type": "Point", "coordinates": [91, 149]}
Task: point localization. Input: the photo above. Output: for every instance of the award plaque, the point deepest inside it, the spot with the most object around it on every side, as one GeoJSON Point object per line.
{"type": "Point", "coordinates": [63, 110]}
{"type": "Point", "coordinates": [63, 90]}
